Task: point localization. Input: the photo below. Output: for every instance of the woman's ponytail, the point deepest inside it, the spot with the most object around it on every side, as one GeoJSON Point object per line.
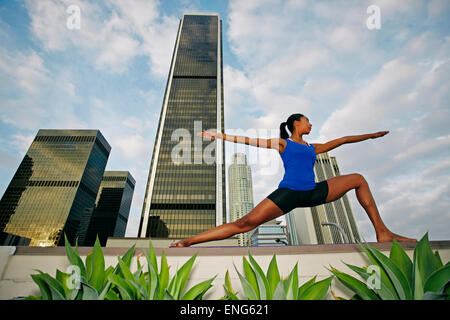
{"type": "Point", "coordinates": [289, 124]}
{"type": "Point", "coordinates": [283, 132]}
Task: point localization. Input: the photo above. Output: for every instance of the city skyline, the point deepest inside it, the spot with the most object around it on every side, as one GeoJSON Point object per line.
{"type": "Point", "coordinates": [280, 57]}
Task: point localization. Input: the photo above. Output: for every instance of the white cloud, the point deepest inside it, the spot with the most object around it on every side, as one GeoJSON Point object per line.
{"type": "Point", "coordinates": [134, 28]}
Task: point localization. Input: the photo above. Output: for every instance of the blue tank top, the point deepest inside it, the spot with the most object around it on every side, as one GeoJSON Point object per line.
{"type": "Point", "coordinates": [298, 161]}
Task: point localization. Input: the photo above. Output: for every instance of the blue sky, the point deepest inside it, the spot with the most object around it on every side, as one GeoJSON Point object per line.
{"type": "Point", "coordinates": [318, 58]}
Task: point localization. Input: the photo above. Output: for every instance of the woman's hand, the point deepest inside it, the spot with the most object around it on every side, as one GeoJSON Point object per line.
{"type": "Point", "coordinates": [379, 134]}
{"type": "Point", "coordinates": [209, 134]}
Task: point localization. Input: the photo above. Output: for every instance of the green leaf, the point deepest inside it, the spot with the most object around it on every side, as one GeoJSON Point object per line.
{"type": "Point", "coordinates": [305, 286]}
{"type": "Point", "coordinates": [437, 279]}
{"type": "Point", "coordinates": [97, 278]}
{"type": "Point", "coordinates": [291, 285]}
{"type": "Point", "coordinates": [62, 278]}
{"type": "Point", "coordinates": [125, 270]}
{"type": "Point", "coordinates": [56, 288]}
{"type": "Point", "coordinates": [250, 294]}
{"type": "Point", "coordinates": [74, 258]}
{"type": "Point", "coordinates": [355, 285]}
{"type": "Point", "coordinates": [89, 292]}
{"type": "Point", "coordinates": [251, 276]}
{"type": "Point", "coordinates": [391, 293]}
{"type": "Point", "coordinates": [104, 291]}
{"type": "Point", "coordinates": [402, 261]}
{"type": "Point", "coordinates": [163, 276]}
{"type": "Point", "coordinates": [43, 286]}
{"type": "Point", "coordinates": [263, 284]}
{"type": "Point", "coordinates": [273, 276]}
{"type": "Point", "coordinates": [418, 283]}
{"type": "Point", "coordinates": [182, 277]}
{"type": "Point", "coordinates": [397, 277]}
{"type": "Point", "coordinates": [229, 292]}
{"type": "Point", "coordinates": [198, 290]}
{"type": "Point", "coordinates": [439, 263]}
{"type": "Point", "coordinates": [426, 261]}
{"type": "Point", "coordinates": [383, 291]}
{"type": "Point", "coordinates": [126, 290]}
{"type": "Point", "coordinates": [152, 256]}
{"type": "Point", "coordinates": [318, 290]}
{"type": "Point", "coordinates": [153, 283]}
{"type": "Point", "coordinates": [279, 293]}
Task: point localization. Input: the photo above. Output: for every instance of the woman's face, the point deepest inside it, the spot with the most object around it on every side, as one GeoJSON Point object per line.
{"type": "Point", "coordinates": [303, 126]}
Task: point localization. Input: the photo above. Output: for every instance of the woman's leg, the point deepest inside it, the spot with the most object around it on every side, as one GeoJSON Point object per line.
{"type": "Point", "coordinates": [339, 185]}
{"type": "Point", "coordinates": [265, 211]}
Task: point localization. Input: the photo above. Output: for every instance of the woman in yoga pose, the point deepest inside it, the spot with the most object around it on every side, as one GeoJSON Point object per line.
{"type": "Point", "coordinates": [298, 187]}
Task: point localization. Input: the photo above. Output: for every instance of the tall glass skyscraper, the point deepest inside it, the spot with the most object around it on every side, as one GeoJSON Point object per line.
{"type": "Point", "coordinates": [112, 208]}
{"type": "Point", "coordinates": [56, 183]}
{"type": "Point", "coordinates": [185, 191]}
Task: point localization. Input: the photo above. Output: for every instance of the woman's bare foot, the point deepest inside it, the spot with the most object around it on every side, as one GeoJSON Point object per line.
{"type": "Point", "coordinates": [180, 244]}
{"type": "Point", "coordinates": [389, 237]}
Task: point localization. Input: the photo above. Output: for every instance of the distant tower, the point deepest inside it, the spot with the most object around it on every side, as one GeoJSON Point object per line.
{"type": "Point", "coordinates": [56, 183]}
{"type": "Point", "coordinates": [305, 224]}
{"type": "Point", "coordinates": [185, 192]}
{"type": "Point", "coordinates": [270, 233]}
{"type": "Point", "coordinates": [240, 192]}
{"type": "Point", "coordinates": [112, 208]}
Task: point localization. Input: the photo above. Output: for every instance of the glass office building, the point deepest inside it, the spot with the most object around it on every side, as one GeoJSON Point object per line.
{"type": "Point", "coordinates": [112, 208]}
{"type": "Point", "coordinates": [56, 183]}
{"type": "Point", "coordinates": [185, 191]}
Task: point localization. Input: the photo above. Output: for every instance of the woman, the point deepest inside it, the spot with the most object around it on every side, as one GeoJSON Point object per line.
{"type": "Point", "coordinates": [298, 187]}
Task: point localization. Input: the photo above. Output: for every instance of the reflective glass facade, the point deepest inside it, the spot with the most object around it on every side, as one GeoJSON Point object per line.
{"type": "Point", "coordinates": [112, 208]}
{"type": "Point", "coordinates": [183, 199]}
{"type": "Point", "coordinates": [56, 182]}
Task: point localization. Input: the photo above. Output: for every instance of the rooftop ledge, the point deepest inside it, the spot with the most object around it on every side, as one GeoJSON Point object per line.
{"type": "Point", "coordinates": [232, 250]}
{"type": "Point", "coordinates": [17, 264]}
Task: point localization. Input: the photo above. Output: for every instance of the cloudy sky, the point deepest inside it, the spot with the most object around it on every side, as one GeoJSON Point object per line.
{"type": "Point", "coordinates": [280, 57]}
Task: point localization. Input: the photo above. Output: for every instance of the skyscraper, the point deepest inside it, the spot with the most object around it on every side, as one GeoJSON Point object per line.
{"type": "Point", "coordinates": [185, 193]}
{"type": "Point", "coordinates": [270, 233]}
{"type": "Point", "coordinates": [55, 184]}
{"type": "Point", "coordinates": [112, 208]}
{"type": "Point", "coordinates": [240, 192]}
{"type": "Point", "coordinates": [305, 225]}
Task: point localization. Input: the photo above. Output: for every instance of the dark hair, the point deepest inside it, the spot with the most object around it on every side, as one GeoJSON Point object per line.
{"type": "Point", "coordinates": [290, 124]}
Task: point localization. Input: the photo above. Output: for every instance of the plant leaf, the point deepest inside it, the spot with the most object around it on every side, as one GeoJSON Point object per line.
{"type": "Point", "coordinates": [426, 261]}
{"type": "Point", "coordinates": [74, 258]}
{"type": "Point", "coordinates": [437, 279]}
{"type": "Point", "coordinates": [279, 293]}
{"type": "Point", "coordinates": [397, 277]}
{"type": "Point", "coordinates": [318, 290]}
{"type": "Point", "coordinates": [384, 277]}
{"type": "Point", "coordinates": [198, 290]}
{"type": "Point", "coordinates": [263, 284]}
{"type": "Point", "coordinates": [305, 286]}
{"type": "Point", "coordinates": [273, 276]}
{"type": "Point", "coordinates": [127, 291]}
{"type": "Point", "coordinates": [250, 294]}
{"type": "Point", "coordinates": [251, 276]}
{"type": "Point", "coordinates": [402, 261]}
{"type": "Point", "coordinates": [43, 286]}
{"type": "Point", "coordinates": [355, 285]}
{"type": "Point", "coordinates": [97, 278]}
{"type": "Point", "coordinates": [182, 277]}
{"type": "Point", "coordinates": [163, 276]}
{"type": "Point", "coordinates": [291, 285]}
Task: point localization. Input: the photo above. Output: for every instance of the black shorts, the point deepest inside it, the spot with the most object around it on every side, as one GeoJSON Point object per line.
{"type": "Point", "coordinates": [287, 199]}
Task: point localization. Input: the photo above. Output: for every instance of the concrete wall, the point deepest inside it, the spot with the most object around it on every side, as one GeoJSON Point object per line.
{"type": "Point", "coordinates": [18, 263]}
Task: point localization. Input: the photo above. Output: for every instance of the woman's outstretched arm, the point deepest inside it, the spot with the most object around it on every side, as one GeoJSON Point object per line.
{"type": "Point", "coordinates": [330, 145]}
{"type": "Point", "coordinates": [256, 142]}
